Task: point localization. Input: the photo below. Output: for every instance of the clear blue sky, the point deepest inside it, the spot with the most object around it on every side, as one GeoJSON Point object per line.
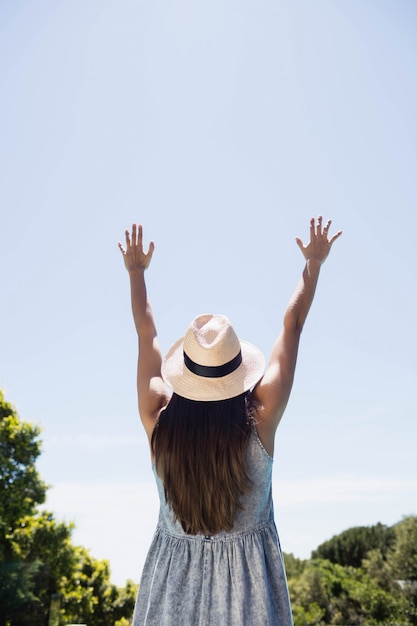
{"type": "Point", "coordinates": [222, 126]}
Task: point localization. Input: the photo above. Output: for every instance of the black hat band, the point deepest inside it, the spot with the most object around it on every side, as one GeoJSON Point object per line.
{"type": "Point", "coordinates": [213, 371]}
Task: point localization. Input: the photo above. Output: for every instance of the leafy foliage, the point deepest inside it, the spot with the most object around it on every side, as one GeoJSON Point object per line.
{"type": "Point", "coordinates": [21, 488]}
{"type": "Point", "coordinates": [404, 555]}
{"type": "Point", "coordinates": [351, 547]}
{"type": "Point", "coordinates": [44, 579]}
{"type": "Point", "coordinates": [380, 589]}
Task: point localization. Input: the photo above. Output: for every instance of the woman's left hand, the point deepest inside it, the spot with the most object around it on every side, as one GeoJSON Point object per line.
{"type": "Point", "coordinates": [319, 245]}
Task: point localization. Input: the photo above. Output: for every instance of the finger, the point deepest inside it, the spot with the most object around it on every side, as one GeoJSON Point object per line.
{"type": "Point", "coordinates": [127, 235]}
{"type": "Point", "coordinates": [140, 235]}
{"type": "Point", "coordinates": [312, 230]}
{"type": "Point", "coordinates": [122, 250]}
{"type": "Point", "coordinates": [150, 250]}
{"type": "Point", "coordinates": [299, 243]}
{"type": "Point", "coordinates": [319, 221]}
{"type": "Point", "coordinates": [134, 239]}
{"type": "Point", "coordinates": [326, 228]}
{"type": "Point", "coordinates": [336, 236]}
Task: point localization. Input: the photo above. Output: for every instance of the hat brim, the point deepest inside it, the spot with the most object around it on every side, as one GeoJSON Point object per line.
{"type": "Point", "coordinates": [188, 385]}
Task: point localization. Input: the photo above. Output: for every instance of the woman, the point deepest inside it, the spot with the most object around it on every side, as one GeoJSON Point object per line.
{"type": "Point", "coordinates": [215, 559]}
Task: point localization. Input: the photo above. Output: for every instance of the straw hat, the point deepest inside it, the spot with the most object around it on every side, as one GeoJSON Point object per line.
{"type": "Point", "coordinates": [210, 362]}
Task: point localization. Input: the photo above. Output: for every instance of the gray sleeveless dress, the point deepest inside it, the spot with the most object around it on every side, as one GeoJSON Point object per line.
{"type": "Point", "coordinates": [234, 578]}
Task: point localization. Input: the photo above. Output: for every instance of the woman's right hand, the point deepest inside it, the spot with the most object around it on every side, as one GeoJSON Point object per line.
{"type": "Point", "coordinates": [133, 255]}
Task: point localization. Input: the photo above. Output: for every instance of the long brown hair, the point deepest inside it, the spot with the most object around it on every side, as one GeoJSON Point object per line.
{"type": "Point", "coordinates": [200, 454]}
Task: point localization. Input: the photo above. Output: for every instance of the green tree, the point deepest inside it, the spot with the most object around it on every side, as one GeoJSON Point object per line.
{"type": "Point", "coordinates": [293, 566]}
{"type": "Point", "coordinates": [89, 597]}
{"type": "Point", "coordinates": [21, 488]}
{"type": "Point", "coordinates": [39, 565]}
{"type": "Point", "coordinates": [404, 556]}
{"type": "Point", "coordinates": [42, 540]}
{"type": "Point", "coordinates": [351, 546]}
{"type": "Point", "coordinates": [79, 583]}
{"type": "Point", "coordinates": [378, 568]}
{"type": "Point", "coordinates": [19, 605]}
{"type": "Point", "coordinates": [328, 593]}
{"type": "Point", "coordinates": [403, 561]}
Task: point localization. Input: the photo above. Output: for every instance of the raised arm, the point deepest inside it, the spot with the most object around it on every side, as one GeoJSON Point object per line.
{"type": "Point", "coordinates": [152, 394]}
{"type": "Point", "coordinates": [273, 391]}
